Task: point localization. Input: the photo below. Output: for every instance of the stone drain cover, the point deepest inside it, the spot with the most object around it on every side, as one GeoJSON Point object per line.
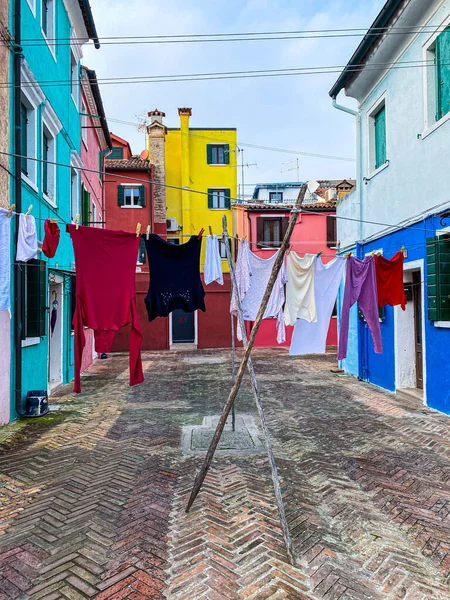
{"type": "Point", "coordinates": [244, 440]}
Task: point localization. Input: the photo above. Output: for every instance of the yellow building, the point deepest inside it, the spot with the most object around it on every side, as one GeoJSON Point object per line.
{"type": "Point", "coordinates": [197, 160]}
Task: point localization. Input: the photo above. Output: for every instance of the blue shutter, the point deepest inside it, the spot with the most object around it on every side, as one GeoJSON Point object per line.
{"type": "Point", "coordinates": [380, 138]}
{"type": "Point", "coordinates": [443, 73]}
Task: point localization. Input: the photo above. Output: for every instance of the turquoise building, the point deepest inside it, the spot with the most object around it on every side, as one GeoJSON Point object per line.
{"type": "Point", "coordinates": [52, 34]}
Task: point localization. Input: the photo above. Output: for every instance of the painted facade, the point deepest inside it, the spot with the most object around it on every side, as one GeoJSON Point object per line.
{"type": "Point", "coordinates": [401, 197]}
{"type": "Point", "coordinates": [312, 234]}
{"type": "Point", "coordinates": [50, 133]}
{"type": "Point", "coordinates": [5, 75]}
{"type": "Point", "coordinates": [193, 160]}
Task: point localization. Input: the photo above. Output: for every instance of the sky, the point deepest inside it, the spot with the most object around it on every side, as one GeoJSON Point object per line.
{"type": "Point", "coordinates": [293, 113]}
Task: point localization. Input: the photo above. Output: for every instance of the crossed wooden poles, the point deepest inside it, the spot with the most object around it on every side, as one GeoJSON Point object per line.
{"type": "Point", "coordinates": [246, 362]}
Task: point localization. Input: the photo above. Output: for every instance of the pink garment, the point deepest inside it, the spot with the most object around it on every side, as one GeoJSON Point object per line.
{"type": "Point", "coordinates": [361, 287]}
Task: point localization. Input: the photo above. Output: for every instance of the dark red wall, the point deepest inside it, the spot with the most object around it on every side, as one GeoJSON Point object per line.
{"type": "Point", "coordinates": [127, 218]}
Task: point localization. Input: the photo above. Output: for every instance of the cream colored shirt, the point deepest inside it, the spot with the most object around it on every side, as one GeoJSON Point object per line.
{"type": "Point", "coordinates": [300, 296]}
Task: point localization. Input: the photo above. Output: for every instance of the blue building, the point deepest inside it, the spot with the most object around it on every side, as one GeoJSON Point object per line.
{"type": "Point", "coordinates": [401, 83]}
{"type": "Point", "coordinates": [51, 34]}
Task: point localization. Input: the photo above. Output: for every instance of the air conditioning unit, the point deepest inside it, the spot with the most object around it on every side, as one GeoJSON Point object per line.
{"type": "Point", "coordinates": [171, 225]}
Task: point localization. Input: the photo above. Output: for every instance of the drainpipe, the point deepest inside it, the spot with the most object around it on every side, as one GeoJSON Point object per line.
{"type": "Point", "coordinates": [18, 202]}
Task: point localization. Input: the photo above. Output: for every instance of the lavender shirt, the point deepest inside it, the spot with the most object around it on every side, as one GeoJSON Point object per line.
{"type": "Point", "coordinates": [360, 286]}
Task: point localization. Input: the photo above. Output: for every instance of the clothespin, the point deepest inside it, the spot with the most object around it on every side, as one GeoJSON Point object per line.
{"type": "Point", "coordinates": [402, 249]}
{"type": "Point", "coordinates": [244, 238]}
{"type": "Point", "coordinates": [29, 210]}
{"type": "Point", "coordinates": [138, 229]}
{"type": "Point", "coordinates": [210, 230]}
{"type": "Point", "coordinates": [77, 221]}
{"type": "Point", "coordinates": [147, 233]}
{"type": "Point", "coordinates": [347, 255]}
{"type": "Point", "coordinates": [53, 220]}
{"type": "Point", "coordinates": [10, 211]}
{"type": "Point", "coordinates": [200, 233]}
{"type": "Point", "coordinates": [373, 252]}
{"type": "Point", "coordinates": [319, 254]}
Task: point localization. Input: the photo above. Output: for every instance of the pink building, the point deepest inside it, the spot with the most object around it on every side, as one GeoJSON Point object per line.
{"type": "Point", "coordinates": [264, 220]}
{"type": "Point", "coordinates": [95, 145]}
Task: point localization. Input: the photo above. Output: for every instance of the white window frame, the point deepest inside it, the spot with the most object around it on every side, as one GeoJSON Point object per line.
{"type": "Point", "coordinates": [130, 185]}
{"type": "Point", "coordinates": [84, 123]}
{"type": "Point", "coordinates": [94, 214]}
{"type": "Point", "coordinates": [218, 207]}
{"type": "Point", "coordinates": [51, 35]}
{"type": "Point", "coordinates": [429, 83]}
{"type": "Point", "coordinates": [31, 96]}
{"type": "Point", "coordinates": [51, 126]}
{"type": "Point", "coordinates": [32, 5]}
{"type": "Point", "coordinates": [370, 136]}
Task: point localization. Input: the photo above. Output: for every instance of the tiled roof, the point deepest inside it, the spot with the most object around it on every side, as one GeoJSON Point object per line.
{"type": "Point", "coordinates": [133, 163]}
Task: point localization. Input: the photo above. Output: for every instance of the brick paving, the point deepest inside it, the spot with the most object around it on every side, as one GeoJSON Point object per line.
{"type": "Point", "coordinates": [93, 496]}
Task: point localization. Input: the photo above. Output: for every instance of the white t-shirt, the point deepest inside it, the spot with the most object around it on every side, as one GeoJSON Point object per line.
{"type": "Point", "coordinates": [27, 244]}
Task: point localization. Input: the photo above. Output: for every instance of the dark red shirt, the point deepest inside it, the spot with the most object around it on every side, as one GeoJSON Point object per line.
{"type": "Point", "coordinates": [105, 262]}
{"type": "Point", "coordinates": [389, 273]}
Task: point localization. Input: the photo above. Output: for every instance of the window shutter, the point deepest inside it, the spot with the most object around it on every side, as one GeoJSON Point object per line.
{"type": "Point", "coordinates": [331, 231]}
{"type": "Point", "coordinates": [116, 152]}
{"type": "Point", "coordinates": [284, 226]}
{"type": "Point", "coordinates": [142, 195]}
{"type": "Point", "coordinates": [42, 274]}
{"type": "Point", "coordinates": [209, 154]}
{"type": "Point", "coordinates": [438, 278]}
{"type": "Point", "coordinates": [443, 73]}
{"type": "Point", "coordinates": [380, 138]}
{"type": "Point", "coordinates": [226, 154]}
{"type": "Point", "coordinates": [86, 207]}
{"type": "Point", "coordinates": [227, 198]}
{"type": "Point", "coordinates": [142, 251]}
{"type": "Point", "coordinates": [210, 198]}
{"type": "Point", "coordinates": [120, 195]}
{"type": "Point", "coordinates": [23, 138]}
{"type": "Point", "coordinates": [259, 232]}
{"type": "Point", "coordinates": [35, 298]}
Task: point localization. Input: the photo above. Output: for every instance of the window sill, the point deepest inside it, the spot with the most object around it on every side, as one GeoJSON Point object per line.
{"type": "Point", "coordinates": [217, 165]}
{"type": "Point", "coordinates": [49, 200]}
{"type": "Point", "coordinates": [31, 342]}
{"type": "Point", "coordinates": [50, 46]}
{"type": "Point", "coordinates": [442, 324]}
{"type": "Point", "coordinates": [219, 208]}
{"type": "Point", "coordinates": [30, 183]}
{"type": "Point", "coordinates": [128, 206]}
{"type": "Point", "coordinates": [436, 125]}
{"type": "Point", "coordinates": [375, 173]}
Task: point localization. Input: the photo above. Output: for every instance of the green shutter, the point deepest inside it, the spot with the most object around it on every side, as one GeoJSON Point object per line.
{"type": "Point", "coordinates": [86, 207]}
{"type": "Point", "coordinates": [142, 195]}
{"type": "Point", "coordinates": [380, 138]}
{"type": "Point", "coordinates": [35, 298]}
{"type": "Point", "coordinates": [227, 198]}
{"type": "Point", "coordinates": [209, 154]}
{"type": "Point", "coordinates": [443, 73]}
{"type": "Point", "coordinates": [226, 154]}
{"type": "Point", "coordinates": [210, 198]}
{"type": "Point", "coordinates": [120, 195]}
{"type": "Point", "coordinates": [438, 278]}
{"type": "Point", "coordinates": [142, 251]}
{"type": "Point", "coordinates": [24, 138]}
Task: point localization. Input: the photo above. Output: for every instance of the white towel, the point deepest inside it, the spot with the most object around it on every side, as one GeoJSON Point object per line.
{"type": "Point", "coordinates": [5, 260]}
{"type": "Point", "coordinates": [27, 244]}
{"type": "Point", "coordinates": [213, 263]}
{"type": "Point", "coordinates": [300, 299]}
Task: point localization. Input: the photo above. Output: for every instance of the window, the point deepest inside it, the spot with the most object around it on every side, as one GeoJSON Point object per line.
{"type": "Point", "coordinates": [48, 22]}
{"type": "Point", "coordinates": [84, 124]}
{"type": "Point", "coordinates": [219, 198]}
{"type": "Point", "coordinates": [116, 152]}
{"type": "Point", "coordinates": [85, 206]}
{"type": "Point", "coordinates": [331, 231]}
{"type": "Point", "coordinates": [94, 215]}
{"type": "Point", "coordinates": [275, 196]}
{"type": "Point", "coordinates": [73, 299]}
{"type": "Point", "coordinates": [218, 154]}
{"type": "Point", "coordinates": [24, 137]}
{"type": "Point", "coordinates": [438, 277]}
{"type": "Point", "coordinates": [377, 152]}
{"type": "Point", "coordinates": [73, 194]}
{"type": "Point", "coordinates": [270, 231]}
{"type": "Point", "coordinates": [45, 145]}
{"type": "Point", "coordinates": [223, 250]}
{"type": "Point", "coordinates": [48, 168]}
{"type": "Point", "coordinates": [74, 77]}
{"type": "Point", "coordinates": [437, 56]}
{"type": "Point", "coordinates": [131, 196]}
{"type": "Point", "coordinates": [28, 140]}
{"type": "Point", "coordinates": [34, 282]}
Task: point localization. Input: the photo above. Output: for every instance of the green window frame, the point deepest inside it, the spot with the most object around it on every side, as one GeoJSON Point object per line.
{"type": "Point", "coordinates": [380, 137]}
{"type": "Point", "coordinates": [218, 154]}
{"type": "Point", "coordinates": [219, 198]}
{"type": "Point", "coordinates": [45, 147]}
{"type": "Point", "coordinates": [24, 138]}
{"type": "Point", "coordinates": [442, 60]}
{"type": "Point", "coordinates": [438, 278]}
{"type": "Point", "coordinates": [34, 285]}
{"type": "Point", "coordinates": [85, 206]}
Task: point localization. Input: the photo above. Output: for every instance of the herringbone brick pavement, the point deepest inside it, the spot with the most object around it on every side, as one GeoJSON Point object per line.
{"type": "Point", "coordinates": [92, 497]}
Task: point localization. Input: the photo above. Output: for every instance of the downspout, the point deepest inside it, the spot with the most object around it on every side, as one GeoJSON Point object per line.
{"type": "Point", "coordinates": [18, 202]}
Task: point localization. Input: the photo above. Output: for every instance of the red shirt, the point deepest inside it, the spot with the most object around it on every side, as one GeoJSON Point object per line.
{"type": "Point", "coordinates": [51, 239]}
{"type": "Point", "coordinates": [105, 262]}
{"type": "Point", "coordinates": [390, 285]}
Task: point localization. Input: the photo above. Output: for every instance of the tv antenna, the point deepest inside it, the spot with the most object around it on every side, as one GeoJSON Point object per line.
{"type": "Point", "coordinates": [296, 168]}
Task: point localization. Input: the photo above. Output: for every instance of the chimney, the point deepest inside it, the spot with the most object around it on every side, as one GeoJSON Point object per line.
{"type": "Point", "coordinates": [156, 132]}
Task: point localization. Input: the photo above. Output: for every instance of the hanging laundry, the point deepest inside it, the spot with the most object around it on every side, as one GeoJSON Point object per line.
{"type": "Point", "coordinates": [390, 286]}
{"type": "Point", "coordinates": [5, 260]}
{"type": "Point", "coordinates": [27, 244]}
{"type": "Point", "coordinates": [212, 270]}
{"type": "Point", "coordinates": [105, 293]}
{"type": "Point", "coordinates": [51, 239]}
{"type": "Point", "coordinates": [174, 277]}
{"type": "Point", "coordinates": [252, 277]}
{"type": "Point", "coordinates": [311, 337]}
{"type": "Point", "coordinates": [300, 298]}
{"type": "Point", "coordinates": [360, 286]}
{"type": "Point", "coordinates": [54, 315]}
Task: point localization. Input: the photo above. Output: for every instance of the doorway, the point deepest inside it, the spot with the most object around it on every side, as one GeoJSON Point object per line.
{"type": "Point", "coordinates": [55, 331]}
{"type": "Point", "coordinates": [417, 304]}
{"type": "Point", "coordinates": [183, 327]}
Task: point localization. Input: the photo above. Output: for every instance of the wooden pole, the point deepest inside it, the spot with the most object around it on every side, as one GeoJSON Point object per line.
{"type": "Point", "coordinates": [248, 348]}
